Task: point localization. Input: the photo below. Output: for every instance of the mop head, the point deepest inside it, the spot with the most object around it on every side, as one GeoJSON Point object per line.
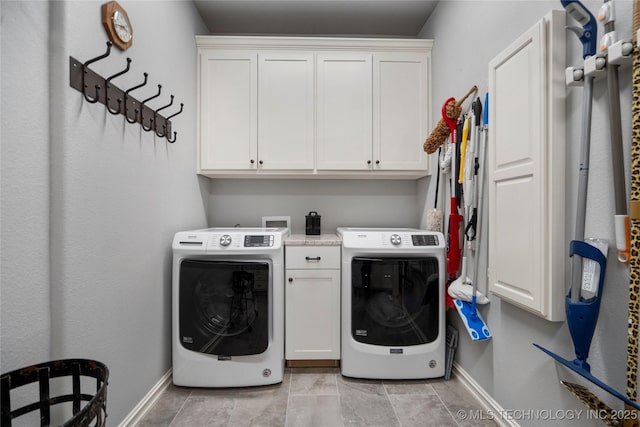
{"type": "Point", "coordinates": [435, 219]}
{"type": "Point", "coordinates": [462, 290]}
{"type": "Point", "coordinates": [441, 132]}
{"type": "Point", "coordinates": [472, 320]}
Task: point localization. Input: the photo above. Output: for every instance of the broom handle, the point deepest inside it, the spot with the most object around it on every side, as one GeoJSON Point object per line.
{"type": "Point", "coordinates": [471, 91]}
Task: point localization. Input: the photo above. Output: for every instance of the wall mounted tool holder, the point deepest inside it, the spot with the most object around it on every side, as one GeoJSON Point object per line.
{"type": "Point", "coordinates": [96, 88]}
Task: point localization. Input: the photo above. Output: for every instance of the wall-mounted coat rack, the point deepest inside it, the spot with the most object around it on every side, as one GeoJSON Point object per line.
{"type": "Point", "coordinates": [96, 88]}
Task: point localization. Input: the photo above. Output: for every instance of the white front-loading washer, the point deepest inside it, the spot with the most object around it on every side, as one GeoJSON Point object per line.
{"type": "Point", "coordinates": [393, 303]}
{"type": "Point", "coordinates": [228, 307]}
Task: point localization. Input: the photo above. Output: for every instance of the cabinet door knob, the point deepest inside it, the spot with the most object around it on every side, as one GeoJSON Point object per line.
{"type": "Point", "coordinates": [260, 161]}
{"type": "Point", "coordinates": [377, 162]}
{"type": "Point", "coordinates": [252, 161]}
{"type": "Point", "coordinates": [368, 162]}
{"type": "Point", "coordinates": [290, 279]}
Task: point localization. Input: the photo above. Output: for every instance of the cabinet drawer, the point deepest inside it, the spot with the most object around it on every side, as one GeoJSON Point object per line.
{"type": "Point", "coordinates": [312, 257]}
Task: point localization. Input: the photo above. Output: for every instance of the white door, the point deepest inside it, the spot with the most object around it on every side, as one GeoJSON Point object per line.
{"type": "Point", "coordinates": [285, 111]}
{"type": "Point", "coordinates": [344, 111]}
{"type": "Point", "coordinates": [312, 314]}
{"type": "Point", "coordinates": [400, 111]}
{"type": "Point", "coordinates": [228, 110]}
{"type": "Point", "coordinates": [526, 163]}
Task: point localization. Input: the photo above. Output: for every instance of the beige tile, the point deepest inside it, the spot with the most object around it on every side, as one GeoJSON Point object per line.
{"type": "Point", "coordinates": [166, 407]}
{"type": "Point", "coordinates": [203, 411]}
{"type": "Point", "coordinates": [312, 383]}
{"type": "Point", "coordinates": [409, 387]}
{"type": "Point", "coordinates": [314, 411]}
{"type": "Point", "coordinates": [365, 403]}
{"type": "Point", "coordinates": [458, 399]}
{"type": "Point", "coordinates": [414, 410]}
{"type": "Point", "coordinates": [260, 408]}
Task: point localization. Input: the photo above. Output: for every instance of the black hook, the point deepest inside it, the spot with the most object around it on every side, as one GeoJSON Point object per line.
{"type": "Point", "coordinates": [155, 117]}
{"type": "Point", "coordinates": [154, 96]}
{"type": "Point", "coordinates": [126, 97]}
{"type": "Point", "coordinates": [85, 70]}
{"type": "Point", "coordinates": [175, 134]}
{"type": "Point", "coordinates": [108, 85]}
{"type": "Point", "coordinates": [173, 115]}
{"type": "Point", "coordinates": [167, 121]}
{"type": "Point", "coordinates": [142, 124]}
{"type": "Point", "coordinates": [142, 109]}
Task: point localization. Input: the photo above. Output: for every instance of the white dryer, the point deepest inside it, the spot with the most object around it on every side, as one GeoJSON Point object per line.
{"type": "Point", "coordinates": [393, 303]}
{"type": "Point", "coordinates": [228, 307]}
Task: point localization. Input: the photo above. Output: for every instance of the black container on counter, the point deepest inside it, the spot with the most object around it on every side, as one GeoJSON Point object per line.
{"type": "Point", "coordinates": [312, 224]}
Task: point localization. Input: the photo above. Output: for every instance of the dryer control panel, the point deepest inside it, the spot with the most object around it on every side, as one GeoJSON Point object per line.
{"type": "Point", "coordinates": [424, 239]}
{"type": "Point", "coordinates": [258, 241]}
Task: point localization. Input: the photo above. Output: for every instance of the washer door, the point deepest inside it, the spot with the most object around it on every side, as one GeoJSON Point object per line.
{"type": "Point", "coordinates": [224, 306]}
{"type": "Point", "coordinates": [394, 301]}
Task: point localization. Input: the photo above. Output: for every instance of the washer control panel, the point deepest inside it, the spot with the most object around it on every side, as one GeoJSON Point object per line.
{"type": "Point", "coordinates": [424, 239]}
{"type": "Point", "coordinates": [395, 239]}
{"type": "Point", "coordinates": [225, 240]}
{"type": "Point", "coordinates": [258, 241]}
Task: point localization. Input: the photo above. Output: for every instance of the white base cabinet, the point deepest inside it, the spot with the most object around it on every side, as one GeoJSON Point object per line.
{"type": "Point", "coordinates": [312, 303]}
{"type": "Point", "coordinates": [313, 107]}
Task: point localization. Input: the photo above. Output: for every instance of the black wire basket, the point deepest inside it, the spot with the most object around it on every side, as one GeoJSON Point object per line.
{"type": "Point", "coordinates": [95, 411]}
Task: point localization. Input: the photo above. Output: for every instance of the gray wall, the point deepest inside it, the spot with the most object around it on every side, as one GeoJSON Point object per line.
{"type": "Point", "coordinates": [361, 203]}
{"type": "Point", "coordinates": [90, 203]}
{"type": "Point", "coordinates": [516, 374]}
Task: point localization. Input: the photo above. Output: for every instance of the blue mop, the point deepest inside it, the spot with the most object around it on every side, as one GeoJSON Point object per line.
{"type": "Point", "coordinates": [582, 315]}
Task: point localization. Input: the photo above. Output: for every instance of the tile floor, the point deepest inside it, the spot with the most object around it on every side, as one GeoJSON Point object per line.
{"type": "Point", "coordinates": [318, 397]}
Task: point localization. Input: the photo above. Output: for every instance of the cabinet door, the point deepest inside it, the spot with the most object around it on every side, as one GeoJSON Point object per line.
{"type": "Point", "coordinates": [312, 325]}
{"type": "Point", "coordinates": [285, 111]}
{"type": "Point", "coordinates": [526, 163]}
{"type": "Point", "coordinates": [228, 113]}
{"type": "Point", "coordinates": [400, 111]}
{"type": "Point", "coordinates": [345, 106]}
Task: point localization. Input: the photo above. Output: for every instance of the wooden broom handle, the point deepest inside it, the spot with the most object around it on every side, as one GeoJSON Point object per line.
{"type": "Point", "coordinates": [473, 90]}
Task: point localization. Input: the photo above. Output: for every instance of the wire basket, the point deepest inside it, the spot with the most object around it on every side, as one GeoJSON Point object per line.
{"type": "Point", "coordinates": [94, 411]}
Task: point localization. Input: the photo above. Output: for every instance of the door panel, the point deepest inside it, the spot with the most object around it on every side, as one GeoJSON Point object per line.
{"type": "Point", "coordinates": [224, 307]}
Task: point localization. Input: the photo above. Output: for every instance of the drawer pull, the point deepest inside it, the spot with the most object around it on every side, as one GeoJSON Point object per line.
{"type": "Point", "coordinates": [315, 258]}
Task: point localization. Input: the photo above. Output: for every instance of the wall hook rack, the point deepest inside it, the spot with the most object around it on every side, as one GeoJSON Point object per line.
{"type": "Point", "coordinates": [95, 88]}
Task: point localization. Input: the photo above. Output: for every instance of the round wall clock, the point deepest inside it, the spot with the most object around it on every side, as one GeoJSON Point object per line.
{"type": "Point", "coordinates": [117, 24]}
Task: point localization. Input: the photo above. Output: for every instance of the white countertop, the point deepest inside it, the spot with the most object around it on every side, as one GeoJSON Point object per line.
{"type": "Point", "coordinates": [320, 240]}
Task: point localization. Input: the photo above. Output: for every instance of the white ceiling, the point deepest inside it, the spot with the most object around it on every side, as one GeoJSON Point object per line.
{"type": "Point", "coordinates": [316, 17]}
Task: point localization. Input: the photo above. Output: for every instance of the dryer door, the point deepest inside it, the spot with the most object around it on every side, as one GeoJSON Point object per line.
{"type": "Point", "coordinates": [224, 306]}
{"type": "Point", "coordinates": [395, 301]}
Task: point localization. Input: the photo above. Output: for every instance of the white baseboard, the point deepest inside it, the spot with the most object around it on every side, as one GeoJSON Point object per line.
{"type": "Point", "coordinates": [488, 403]}
{"type": "Point", "coordinates": [147, 401]}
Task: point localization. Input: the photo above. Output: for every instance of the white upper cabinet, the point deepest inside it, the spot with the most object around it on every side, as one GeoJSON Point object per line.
{"type": "Point", "coordinates": [228, 110]}
{"type": "Point", "coordinates": [285, 111]}
{"type": "Point", "coordinates": [345, 103]}
{"type": "Point", "coordinates": [526, 164]}
{"type": "Point", "coordinates": [400, 111]}
{"type": "Point", "coordinates": [313, 107]}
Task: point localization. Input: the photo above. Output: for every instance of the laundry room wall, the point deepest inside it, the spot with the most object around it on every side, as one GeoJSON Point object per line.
{"type": "Point", "coordinates": [352, 203]}
{"type": "Point", "coordinates": [468, 34]}
{"type": "Point", "coordinates": [24, 185]}
{"type": "Point", "coordinates": [90, 203]}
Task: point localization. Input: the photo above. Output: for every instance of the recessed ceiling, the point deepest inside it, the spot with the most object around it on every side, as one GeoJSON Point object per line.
{"type": "Point", "coordinates": [403, 18]}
